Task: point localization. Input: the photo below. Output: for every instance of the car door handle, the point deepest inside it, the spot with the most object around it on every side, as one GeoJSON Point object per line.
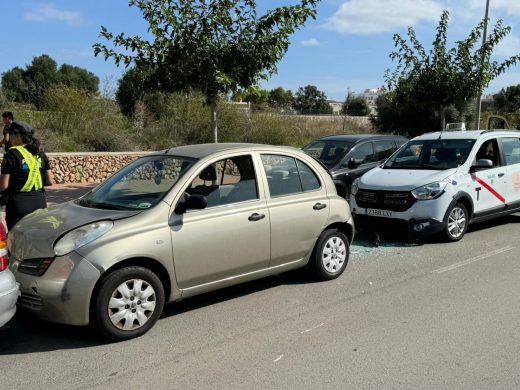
{"type": "Point", "coordinates": [319, 206]}
{"type": "Point", "coordinates": [256, 217]}
{"type": "Point", "coordinates": [500, 174]}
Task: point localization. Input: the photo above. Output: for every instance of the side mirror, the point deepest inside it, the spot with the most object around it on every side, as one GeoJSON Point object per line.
{"type": "Point", "coordinates": [483, 164]}
{"type": "Point", "coordinates": [352, 164]}
{"type": "Point", "coordinates": [191, 202]}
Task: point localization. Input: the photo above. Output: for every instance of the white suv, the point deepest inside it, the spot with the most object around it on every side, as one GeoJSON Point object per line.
{"type": "Point", "coordinates": [441, 182]}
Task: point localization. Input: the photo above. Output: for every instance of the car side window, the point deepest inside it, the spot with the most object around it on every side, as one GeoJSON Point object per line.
{"type": "Point", "coordinates": [383, 149]}
{"type": "Point", "coordinates": [511, 148]}
{"type": "Point", "coordinates": [282, 175]}
{"type": "Point", "coordinates": [363, 154]}
{"type": "Point", "coordinates": [227, 181]}
{"type": "Point", "coordinates": [489, 151]}
{"type": "Point", "coordinates": [309, 180]}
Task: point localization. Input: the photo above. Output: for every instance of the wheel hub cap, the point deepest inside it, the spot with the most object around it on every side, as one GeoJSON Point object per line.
{"type": "Point", "coordinates": [131, 304]}
{"type": "Point", "coordinates": [334, 254]}
{"type": "Point", "coordinates": [456, 222]}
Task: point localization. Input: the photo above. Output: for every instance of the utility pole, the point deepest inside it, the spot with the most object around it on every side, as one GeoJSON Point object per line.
{"type": "Point", "coordinates": [479, 97]}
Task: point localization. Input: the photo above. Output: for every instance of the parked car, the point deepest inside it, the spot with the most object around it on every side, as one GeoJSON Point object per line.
{"type": "Point", "coordinates": [347, 157]}
{"type": "Point", "coordinates": [8, 285]}
{"type": "Point", "coordinates": [178, 223]}
{"type": "Point", "coordinates": [441, 182]}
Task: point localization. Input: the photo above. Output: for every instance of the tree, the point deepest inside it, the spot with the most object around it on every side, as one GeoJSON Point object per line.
{"type": "Point", "coordinates": [356, 106]}
{"type": "Point", "coordinates": [445, 77]}
{"type": "Point", "coordinates": [310, 100]}
{"type": "Point", "coordinates": [254, 95]}
{"type": "Point", "coordinates": [211, 46]}
{"type": "Point", "coordinates": [30, 84]}
{"type": "Point", "coordinates": [76, 77]}
{"type": "Point", "coordinates": [131, 88]}
{"type": "Point", "coordinates": [280, 99]}
{"type": "Point", "coordinates": [508, 100]}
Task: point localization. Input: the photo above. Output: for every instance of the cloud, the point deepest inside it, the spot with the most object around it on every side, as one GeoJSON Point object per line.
{"type": "Point", "coordinates": [364, 17]}
{"type": "Point", "coordinates": [311, 42]}
{"type": "Point", "coordinates": [49, 12]}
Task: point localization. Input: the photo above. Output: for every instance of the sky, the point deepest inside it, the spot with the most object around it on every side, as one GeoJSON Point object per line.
{"type": "Point", "coordinates": [346, 48]}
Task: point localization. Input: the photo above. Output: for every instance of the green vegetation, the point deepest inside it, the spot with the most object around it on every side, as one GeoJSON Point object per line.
{"type": "Point", "coordinates": [214, 47]}
{"type": "Point", "coordinates": [431, 83]}
{"type": "Point", "coordinates": [73, 120]}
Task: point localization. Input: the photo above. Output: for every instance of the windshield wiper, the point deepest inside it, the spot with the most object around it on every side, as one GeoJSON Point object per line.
{"type": "Point", "coordinates": [434, 167]}
{"type": "Point", "coordinates": [108, 206]}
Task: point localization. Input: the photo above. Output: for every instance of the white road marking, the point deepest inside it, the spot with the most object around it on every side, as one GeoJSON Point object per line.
{"type": "Point", "coordinates": [278, 358]}
{"type": "Point", "coordinates": [472, 260]}
{"type": "Point", "coordinates": [311, 329]}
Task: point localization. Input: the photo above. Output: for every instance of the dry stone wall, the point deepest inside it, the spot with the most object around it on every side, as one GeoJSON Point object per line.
{"type": "Point", "coordinates": [87, 167]}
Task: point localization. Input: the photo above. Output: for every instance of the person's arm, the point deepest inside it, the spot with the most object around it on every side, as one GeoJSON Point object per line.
{"type": "Point", "coordinates": [4, 182]}
{"type": "Point", "coordinates": [49, 178]}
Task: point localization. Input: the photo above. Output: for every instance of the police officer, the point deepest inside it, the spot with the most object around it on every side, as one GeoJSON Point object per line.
{"type": "Point", "coordinates": [25, 170]}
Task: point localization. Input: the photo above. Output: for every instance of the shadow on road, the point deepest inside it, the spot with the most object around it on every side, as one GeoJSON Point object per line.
{"type": "Point", "coordinates": [28, 334]}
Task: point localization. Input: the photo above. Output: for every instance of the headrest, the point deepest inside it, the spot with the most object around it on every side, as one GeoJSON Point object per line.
{"type": "Point", "coordinates": [208, 174]}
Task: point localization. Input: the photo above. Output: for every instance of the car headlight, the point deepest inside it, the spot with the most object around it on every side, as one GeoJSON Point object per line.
{"type": "Point", "coordinates": [355, 187]}
{"type": "Point", "coordinates": [81, 236]}
{"type": "Point", "coordinates": [429, 191]}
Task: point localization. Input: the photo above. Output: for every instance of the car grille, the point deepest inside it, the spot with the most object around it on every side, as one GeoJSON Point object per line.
{"type": "Point", "coordinates": [31, 301]}
{"type": "Point", "coordinates": [385, 200]}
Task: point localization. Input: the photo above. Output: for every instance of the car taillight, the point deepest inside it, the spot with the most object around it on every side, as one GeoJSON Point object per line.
{"type": "Point", "coordinates": [4, 261]}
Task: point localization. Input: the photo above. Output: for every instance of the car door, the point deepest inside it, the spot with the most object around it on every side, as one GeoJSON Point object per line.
{"type": "Point", "coordinates": [511, 153]}
{"type": "Point", "coordinates": [358, 161]}
{"type": "Point", "coordinates": [489, 184]}
{"type": "Point", "coordinates": [298, 206]}
{"type": "Point", "coordinates": [231, 236]}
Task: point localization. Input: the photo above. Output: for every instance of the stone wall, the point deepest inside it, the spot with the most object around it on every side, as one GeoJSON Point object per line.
{"type": "Point", "coordinates": [88, 167]}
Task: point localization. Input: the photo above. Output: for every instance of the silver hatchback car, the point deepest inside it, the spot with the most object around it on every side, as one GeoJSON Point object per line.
{"type": "Point", "coordinates": [174, 224]}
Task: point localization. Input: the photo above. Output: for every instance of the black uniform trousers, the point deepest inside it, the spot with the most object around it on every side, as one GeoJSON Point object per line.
{"type": "Point", "coordinates": [20, 204]}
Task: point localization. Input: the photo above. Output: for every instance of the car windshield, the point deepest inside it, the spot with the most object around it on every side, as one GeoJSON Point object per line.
{"type": "Point", "coordinates": [328, 152]}
{"type": "Point", "coordinates": [139, 185]}
{"type": "Point", "coordinates": [435, 154]}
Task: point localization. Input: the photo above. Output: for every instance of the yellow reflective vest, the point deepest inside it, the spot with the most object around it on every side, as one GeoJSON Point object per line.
{"type": "Point", "coordinates": [34, 181]}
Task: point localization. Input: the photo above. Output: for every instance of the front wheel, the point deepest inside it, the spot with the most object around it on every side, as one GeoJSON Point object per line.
{"type": "Point", "coordinates": [330, 256]}
{"type": "Point", "coordinates": [128, 303]}
{"type": "Point", "coordinates": [456, 222]}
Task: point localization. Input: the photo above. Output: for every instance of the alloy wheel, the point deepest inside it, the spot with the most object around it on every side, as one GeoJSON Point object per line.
{"type": "Point", "coordinates": [456, 222]}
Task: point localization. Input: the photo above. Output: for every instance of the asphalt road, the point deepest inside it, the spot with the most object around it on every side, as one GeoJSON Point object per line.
{"type": "Point", "coordinates": [403, 316]}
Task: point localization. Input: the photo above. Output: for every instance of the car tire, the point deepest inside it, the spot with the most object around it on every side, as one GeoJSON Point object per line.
{"type": "Point", "coordinates": [456, 222]}
{"type": "Point", "coordinates": [129, 302]}
{"type": "Point", "coordinates": [330, 256]}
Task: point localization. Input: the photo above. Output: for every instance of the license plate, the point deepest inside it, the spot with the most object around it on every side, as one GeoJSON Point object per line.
{"type": "Point", "coordinates": [379, 213]}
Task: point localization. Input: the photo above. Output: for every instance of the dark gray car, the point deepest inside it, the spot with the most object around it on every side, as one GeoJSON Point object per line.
{"type": "Point", "coordinates": [348, 157]}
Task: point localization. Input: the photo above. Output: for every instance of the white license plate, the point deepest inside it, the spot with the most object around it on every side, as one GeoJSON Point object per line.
{"type": "Point", "coordinates": [379, 213]}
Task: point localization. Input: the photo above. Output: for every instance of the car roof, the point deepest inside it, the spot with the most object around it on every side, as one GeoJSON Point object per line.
{"type": "Point", "coordinates": [354, 138]}
{"type": "Point", "coordinates": [199, 151]}
{"type": "Point", "coordinates": [467, 134]}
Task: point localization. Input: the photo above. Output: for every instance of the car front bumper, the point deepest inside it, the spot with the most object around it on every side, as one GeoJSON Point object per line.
{"type": "Point", "coordinates": [422, 218]}
{"type": "Point", "coordinates": [8, 296]}
{"type": "Point", "coordinates": [62, 294]}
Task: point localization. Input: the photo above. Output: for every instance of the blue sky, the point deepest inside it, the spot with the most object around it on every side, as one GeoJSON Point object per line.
{"type": "Point", "coordinates": [347, 46]}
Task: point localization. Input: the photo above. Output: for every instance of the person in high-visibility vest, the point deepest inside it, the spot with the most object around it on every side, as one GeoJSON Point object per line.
{"type": "Point", "coordinates": [25, 170]}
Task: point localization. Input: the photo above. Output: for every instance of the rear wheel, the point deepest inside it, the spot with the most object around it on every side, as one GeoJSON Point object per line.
{"type": "Point", "coordinates": [456, 222]}
{"type": "Point", "coordinates": [330, 256]}
{"type": "Point", "coordinates": [129, 302]}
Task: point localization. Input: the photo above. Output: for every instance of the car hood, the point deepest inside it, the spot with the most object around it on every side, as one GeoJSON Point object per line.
{"type": "Point", "coordinates": [401, 179]}
{"type": "Point", "coordinates": [34, 236]}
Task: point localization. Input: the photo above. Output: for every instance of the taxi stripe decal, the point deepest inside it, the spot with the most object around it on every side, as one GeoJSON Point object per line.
{"type": "Point", "coordinates": [490, 189]}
